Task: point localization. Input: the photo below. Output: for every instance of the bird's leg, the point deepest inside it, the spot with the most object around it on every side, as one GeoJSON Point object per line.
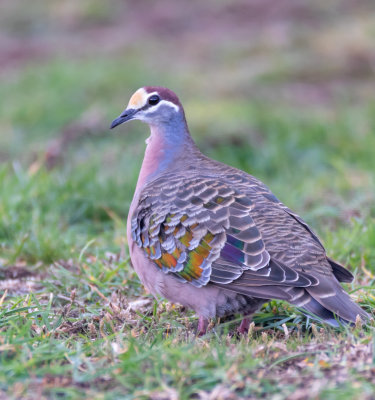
{"type": "Point", "coordinates": [202, 326]}
{"type": "Point", "coordinates": [243, 329]}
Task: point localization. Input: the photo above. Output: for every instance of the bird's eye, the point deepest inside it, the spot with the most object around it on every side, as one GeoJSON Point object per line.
{"type": "Point", "coordinates": [153, 100]}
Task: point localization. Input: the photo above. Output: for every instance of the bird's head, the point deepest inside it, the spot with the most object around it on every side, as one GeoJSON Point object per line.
{"type": "Point", "coordinates": [154, 105]}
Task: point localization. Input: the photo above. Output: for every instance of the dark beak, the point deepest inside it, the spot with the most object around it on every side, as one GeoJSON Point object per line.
{"type": "Point", "coordinates": [127, 115]}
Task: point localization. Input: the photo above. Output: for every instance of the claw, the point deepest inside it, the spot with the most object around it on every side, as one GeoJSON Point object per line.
{"type": "Point", "coordinates": [202, 326]}
{"type": "Point", "coordinates": [243, 329]}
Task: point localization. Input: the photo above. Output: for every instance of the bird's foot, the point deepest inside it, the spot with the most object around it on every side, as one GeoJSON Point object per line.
{"type": "Point", "coordinates": [243, 329]}
{"type": "Point", "coordinates": [202, 326]}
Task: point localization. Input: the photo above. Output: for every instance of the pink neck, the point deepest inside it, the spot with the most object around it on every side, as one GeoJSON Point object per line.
{"type": "Point", "coordinates": [162, 152]}
{"type": "Point", "coordinates": [153, 155]}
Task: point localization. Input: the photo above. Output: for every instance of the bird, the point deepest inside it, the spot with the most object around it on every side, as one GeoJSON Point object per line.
{"type": "Point", "coordinates": [215, 239]}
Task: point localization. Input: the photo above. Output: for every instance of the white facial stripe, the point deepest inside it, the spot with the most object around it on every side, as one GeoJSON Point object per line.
{"type": "Point", "coordinates": [140, 98]}
{"type": "Point", "coordinates": [166, 102]}
{"type": "Point", "coordinates": [162, 102]}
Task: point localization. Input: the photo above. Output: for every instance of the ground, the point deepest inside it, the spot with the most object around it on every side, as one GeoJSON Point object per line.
{"type": "Point", "coordinates": [282, 91]}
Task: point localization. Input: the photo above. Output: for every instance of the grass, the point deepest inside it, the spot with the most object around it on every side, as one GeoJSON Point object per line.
{"type": "Point", "coordinates": [74, 320]}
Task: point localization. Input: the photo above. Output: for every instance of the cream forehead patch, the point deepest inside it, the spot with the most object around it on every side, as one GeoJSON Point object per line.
{"type": "Point", "coordinates": [138, 99]}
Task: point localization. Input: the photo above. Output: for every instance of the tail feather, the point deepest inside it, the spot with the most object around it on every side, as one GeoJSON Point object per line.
{"type": "Point", "coordinates": [327, 316]}
{"type": "Point", "coordinates": [340, 272]}
{"type": "Point", "coordinates": [301, 298]}
{"type": "Point", "coordinates": [335, 309]}
{"type": "Point", "coordinates": [332, 296]}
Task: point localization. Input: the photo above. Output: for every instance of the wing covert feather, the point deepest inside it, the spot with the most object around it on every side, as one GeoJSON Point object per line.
{"type": "Point", "coordinates": [202, 231]}
{"type": "Point", "coordinates": [184, 227]}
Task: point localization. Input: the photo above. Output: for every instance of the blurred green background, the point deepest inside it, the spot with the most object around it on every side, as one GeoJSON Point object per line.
{"type": "Point", "coordinates": [283, 90]}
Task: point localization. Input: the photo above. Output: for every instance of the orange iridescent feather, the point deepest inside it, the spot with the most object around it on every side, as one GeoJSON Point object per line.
{"type": "Point", "coordinates": [192, 269]}
{"type": "Point", "coordinates": [185, 240]}
{"type": "Point", "coordinates": [168, 260]}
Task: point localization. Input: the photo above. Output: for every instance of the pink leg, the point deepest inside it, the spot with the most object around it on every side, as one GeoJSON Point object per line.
{"type": "Point", "coordinates": [244, 326]}
{"type": "Point", "coordinates": [202, 326]}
